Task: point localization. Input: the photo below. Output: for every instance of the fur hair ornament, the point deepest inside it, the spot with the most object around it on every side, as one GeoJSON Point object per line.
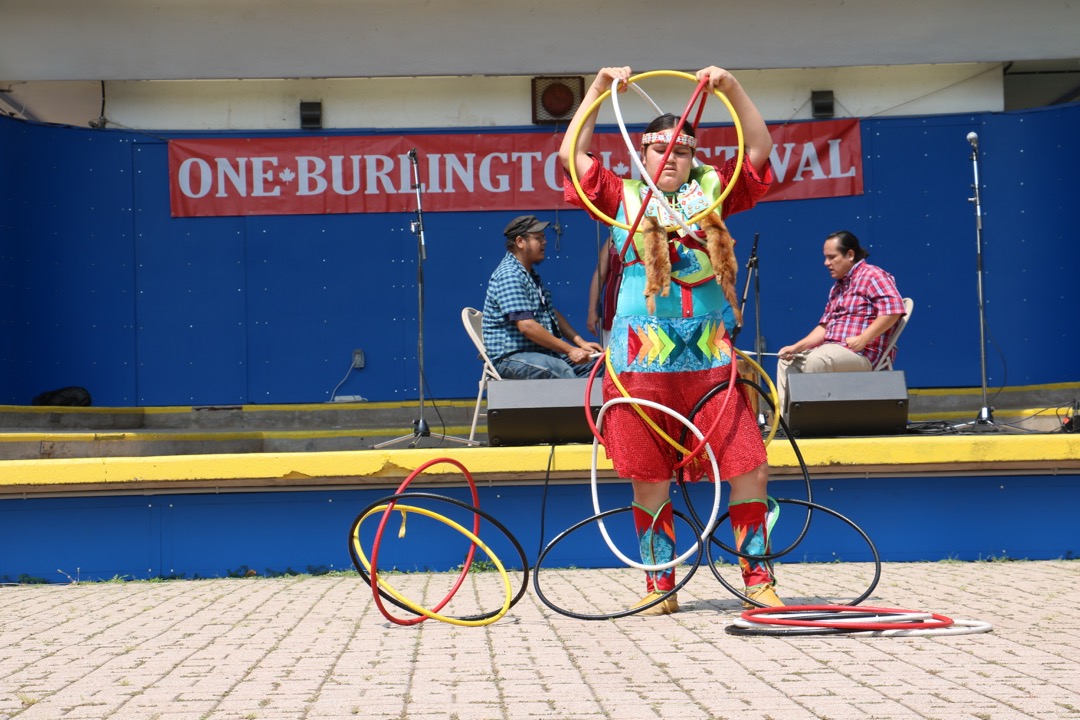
{"type": "Point", "coordinates": [657, 258]}
{"type": "Point", "coordinates": [721, 248]}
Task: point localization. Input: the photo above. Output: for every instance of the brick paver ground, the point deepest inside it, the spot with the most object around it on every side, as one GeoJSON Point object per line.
{"type": "Point", "coordinates": [317, 647]}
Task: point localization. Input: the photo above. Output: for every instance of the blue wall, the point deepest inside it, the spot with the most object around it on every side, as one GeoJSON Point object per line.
{"type": "Point", "coordinates": [102, 288]}
{"type": "Point", "coordinates": [211, 535]}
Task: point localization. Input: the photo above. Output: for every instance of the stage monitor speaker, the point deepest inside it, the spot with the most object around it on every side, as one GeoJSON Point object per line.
{"type": "Point", "coordinates": [540, 412]}
{"type": "Point", "coordinates": [847, 403]}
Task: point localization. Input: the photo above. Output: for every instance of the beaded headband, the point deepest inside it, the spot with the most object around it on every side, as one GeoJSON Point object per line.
{"type": "Point", "coordinates": [665, 137]}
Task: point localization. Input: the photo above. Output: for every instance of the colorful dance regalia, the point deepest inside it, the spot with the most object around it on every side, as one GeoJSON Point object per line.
{"type": "Point", "coordinates": [676, 355]}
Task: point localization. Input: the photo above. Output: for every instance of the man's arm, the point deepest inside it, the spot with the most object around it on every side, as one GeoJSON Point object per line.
{"type": "Point", "coordinates": [577, 353]}
{"type": "Point", "coordinates": [814, 338]}
{"type": "Point", "coordinates": [568, 330]}
{"type": "Point", "coordinates": [881, 323]}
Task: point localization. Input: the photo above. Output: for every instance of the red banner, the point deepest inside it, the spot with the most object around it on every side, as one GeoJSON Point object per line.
{"type": "Point", "coordinates": [490, 171]}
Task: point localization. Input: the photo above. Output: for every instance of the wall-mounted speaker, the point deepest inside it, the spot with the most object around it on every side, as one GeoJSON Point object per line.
{"type": "Point", "coordinates": [540, 412]}
{"type": "Point", "coordinates": [556, 99]}
{"type": "Point", "coordinates": [310, 115]}
{"type": "Point", "coordinates": [822, 104]}
{"type": "Point", "coordinates": [847, 403]}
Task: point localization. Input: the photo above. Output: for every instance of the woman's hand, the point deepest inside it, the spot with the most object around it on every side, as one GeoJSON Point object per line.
{"type": "Point", "coordinates": [608, 76]}
{"type": "Point", "coordinates": [719, 79]}
{"type": "Point", "coordinates": [583, 123]}
{"type": "Point", "coordinates": [755, 132]}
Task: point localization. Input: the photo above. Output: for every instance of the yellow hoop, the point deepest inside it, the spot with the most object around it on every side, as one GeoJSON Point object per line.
{"type": "Point", "coordinates": [416, 608]}
{"type": "Point", "coordinates": [596, 106]}
{"type": "Point", "coordinates": [649, 421]}
{"type": "Point", "coordinates": [637, 408]}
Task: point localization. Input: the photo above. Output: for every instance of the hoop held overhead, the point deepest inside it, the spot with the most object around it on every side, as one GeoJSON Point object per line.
{"type": "Point", "coordinates": [596, 106]}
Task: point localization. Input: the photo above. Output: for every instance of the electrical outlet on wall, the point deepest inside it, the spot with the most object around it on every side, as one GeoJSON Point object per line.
{"type": "Point", "coordinates": [357, 359]}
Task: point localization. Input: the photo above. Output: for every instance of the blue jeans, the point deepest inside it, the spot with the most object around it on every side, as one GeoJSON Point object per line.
{"type": "Point", "coordinates": [539, 366]}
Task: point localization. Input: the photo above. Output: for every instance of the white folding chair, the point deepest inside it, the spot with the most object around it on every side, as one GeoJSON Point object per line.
{"type": "Point", "coordinates": [884, 363]}
{"type": "Point", "coordinates": [473, 320]}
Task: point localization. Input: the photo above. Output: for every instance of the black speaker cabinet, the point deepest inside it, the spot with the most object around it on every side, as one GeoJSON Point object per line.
{"type": "Point", "coordinates": [539, 412]}
{"type": "Point", "coordinates": [847, 403]}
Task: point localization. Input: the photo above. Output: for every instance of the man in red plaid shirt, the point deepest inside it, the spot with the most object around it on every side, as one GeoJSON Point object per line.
{"type": "Point", "coordinates": [858, 321]}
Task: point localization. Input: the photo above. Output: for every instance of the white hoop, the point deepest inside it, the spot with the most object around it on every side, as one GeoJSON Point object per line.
{"type": "Point", "coordinates": [959, 627]}
{"type": "Point", "coordinates": [622, 126]}
{"type": "Point", "coordinates": [840, 619]}
{"type": "Point", "coordinates": [634, 158]}
{"type": "Point", "coordinates": [706, 533]}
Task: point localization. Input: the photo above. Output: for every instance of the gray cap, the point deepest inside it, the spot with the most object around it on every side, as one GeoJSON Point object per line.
{"type": "Point", "coordinates": [523, 225]}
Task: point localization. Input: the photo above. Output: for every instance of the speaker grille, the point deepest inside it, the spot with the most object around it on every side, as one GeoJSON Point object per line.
{"type": "Point", "coordinates": [556, 99]}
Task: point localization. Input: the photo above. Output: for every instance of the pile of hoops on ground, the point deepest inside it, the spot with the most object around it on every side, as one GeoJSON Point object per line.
{"type": "Point", "coordinates": [843, 620]}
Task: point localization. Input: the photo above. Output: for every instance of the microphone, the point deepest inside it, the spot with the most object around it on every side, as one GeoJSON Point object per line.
{"type": "Point", "coordinates": [412, 153]}
{"type": "Point", "coordinates": [973, 138]}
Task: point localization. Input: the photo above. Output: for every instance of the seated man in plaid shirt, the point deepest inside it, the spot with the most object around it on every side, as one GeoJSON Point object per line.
{"type": "Point", "coordinates": [858, 321]}
{"type": "Point", "coordinates": [525, 336]}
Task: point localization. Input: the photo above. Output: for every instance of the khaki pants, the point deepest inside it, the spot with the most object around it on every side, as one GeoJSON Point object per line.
{"type": "Point", "coordinates": [830, 357]}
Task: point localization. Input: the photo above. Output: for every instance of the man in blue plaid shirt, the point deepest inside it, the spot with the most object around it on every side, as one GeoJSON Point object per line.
{"type": "Point", "coordinates": [525, 336]}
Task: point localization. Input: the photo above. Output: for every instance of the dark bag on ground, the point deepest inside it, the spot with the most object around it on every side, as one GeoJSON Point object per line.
{"type": "Point", "coordinates": [72, 396]}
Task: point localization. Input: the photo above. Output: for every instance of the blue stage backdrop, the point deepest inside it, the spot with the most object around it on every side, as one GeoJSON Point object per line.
{"type": "Point", "coordinates": [103, 288]}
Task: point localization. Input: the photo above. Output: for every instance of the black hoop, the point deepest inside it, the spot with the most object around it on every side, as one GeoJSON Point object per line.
{"type": "Point", "coordinates": [802, 464]}
{"type": "Point", "coordinates": [611, 616]}
{"type": "Point", "coordinates": [443, 498]}
{"type": "Point", "coordinates": [809, 504]}
{"type": "Point", "coordinates": [811, 507]}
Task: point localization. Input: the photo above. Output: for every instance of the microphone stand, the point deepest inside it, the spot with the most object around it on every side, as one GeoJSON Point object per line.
{"type": "Point", "coordinates": [420, 426]}
{"type": "Point", "coordinates": [985, 419]}
{"type": "Point", "coordinates": [752, 271]}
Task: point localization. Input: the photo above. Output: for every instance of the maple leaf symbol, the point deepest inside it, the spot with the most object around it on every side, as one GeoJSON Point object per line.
{"type": "Point", "coordinates": [286, 175]}
{"type": "Point", "coordinates": [621, 168]}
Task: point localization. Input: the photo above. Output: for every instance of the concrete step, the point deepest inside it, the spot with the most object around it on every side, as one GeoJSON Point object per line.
{"type": "Point", "coordinates": [28, 432]}
{"type": "Point", "coordinates": [253, 417]}
{"type": "Point", "coordinates": [35, 432]}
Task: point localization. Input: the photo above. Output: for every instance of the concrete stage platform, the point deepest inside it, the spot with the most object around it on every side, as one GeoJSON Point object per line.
{"type": "Point", "coordinates": [928, 495]}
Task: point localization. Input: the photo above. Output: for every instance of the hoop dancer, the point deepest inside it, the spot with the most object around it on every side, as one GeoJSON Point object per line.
{"type": "Point", "coordinates": [670, 340]}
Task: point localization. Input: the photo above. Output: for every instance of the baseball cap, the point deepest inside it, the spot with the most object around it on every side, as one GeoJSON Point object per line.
{"type": "Point", "coordinates": [523, 225]}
